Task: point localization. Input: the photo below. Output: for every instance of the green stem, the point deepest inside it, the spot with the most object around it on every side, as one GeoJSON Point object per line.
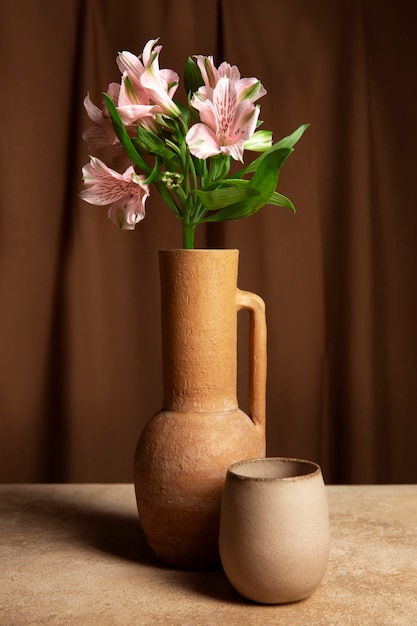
{"type": "Point", "coordinates": [188, 236]}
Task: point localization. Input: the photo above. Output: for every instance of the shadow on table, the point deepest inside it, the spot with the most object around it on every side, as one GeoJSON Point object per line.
{"type": "Point", "coordinates": [118, 534]}
{"type": "Point", "coordinates": [114, 532]}
{"type": "Point", "coordinates": [121, 535]}
{"type": "Point", "coordinates": [65, 518]}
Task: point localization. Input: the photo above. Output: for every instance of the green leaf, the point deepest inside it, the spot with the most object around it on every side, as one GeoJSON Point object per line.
{"type": "Point", "coordinates": [235, 211]}
{"type": "Point", "coordinates": [123, 137]}
{"type": "Point", "coordinates": [174, 147]}
{"type": "Point", "coordinates": [200, 166]}
{"type": "Point", "coordinates": [227, 182]}
{"type": "Point", "coordinates": [192, 76]}
{"type": "Point", "coordinates": [291, 140]}
{"type": "Point", "coordinates": [185, 113]}
{"type": "Point", "coordinates": [264, 181]}
{"type": "Point", "coordinates": [286, 142]}
{"type": "Point", "coordinates": [277, 199]}
{"type": "Point", "coordinates": [235, 182]}
{"type": "Point", "coordinates": [147, 141]}
{"type": "Point", "coordinates": [265, 178]}
{"type": "Point", "coordinates": [220, 198]}
{"type": "Point", "coordinates": [154, 173]}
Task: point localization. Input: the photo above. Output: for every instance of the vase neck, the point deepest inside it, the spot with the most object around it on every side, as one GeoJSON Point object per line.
{"type": "Point", "coordinates": [199, 329]}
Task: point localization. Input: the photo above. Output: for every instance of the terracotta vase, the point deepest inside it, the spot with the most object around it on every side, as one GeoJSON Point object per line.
{"type": "Point", "coordinates": [184, 451]}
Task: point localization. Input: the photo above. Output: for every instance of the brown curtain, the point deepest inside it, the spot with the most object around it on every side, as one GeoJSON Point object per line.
{"type": "Point", "coordinates": [80, 370]}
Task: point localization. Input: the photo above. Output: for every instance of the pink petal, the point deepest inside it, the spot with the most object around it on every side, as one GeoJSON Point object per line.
{"type": "Point", "coordinates": [207, 115]}
{"type": "Point", "coordinates": [230, 71]}
{"type": "Point", "coordinates": [208, 70]}
{"type": "Point", "coordinates": [132, 92]}
{"type": "Point", "coordinates": [134, 112]}
{"type": "Point", "coordinates": [126, 215]}
{"type": "Point", "coordinates": [113, 90]}
{"type": "Point", "coordinates": [94, 113]}
{"type": "Point", "coordinates": [128, 62]}
{"type": "Point", "coordinates": [225, 103]}
{"type": "Point", "coordinates": [170, 79]}
{"type": "Point", "coordinates": [235, 150]}
{"type": "Point", "coordinates": [100, 136]}
{"type": "Point", "coordinates": [202, 97]}
{"type": "Point", "coordinates": [148, 53]}
{"type": "Point", "coordinates": [245, 120]}
{"type": "Point", "coordinates": [157, 90]}
{"type": "Point", "coordinates": [202, 141]}
{"type": "Point", "coordinates": [245, 86]}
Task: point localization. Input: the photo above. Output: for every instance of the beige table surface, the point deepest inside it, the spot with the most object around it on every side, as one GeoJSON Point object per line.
{"type": "Point", "coordinates": [75, 554]}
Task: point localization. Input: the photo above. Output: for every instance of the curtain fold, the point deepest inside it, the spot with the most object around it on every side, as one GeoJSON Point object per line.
{"type": "Point", "coordinates": [80, 369]}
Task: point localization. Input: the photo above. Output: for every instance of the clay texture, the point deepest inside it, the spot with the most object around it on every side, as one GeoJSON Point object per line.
{"type": "Point", "coordinates": [274, 532]}
{"type": "Point", "coordinates": [183, 453]}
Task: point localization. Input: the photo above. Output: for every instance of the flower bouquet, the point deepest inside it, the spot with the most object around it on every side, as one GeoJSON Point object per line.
{"type": "Point", "coordinates": [185, 152]}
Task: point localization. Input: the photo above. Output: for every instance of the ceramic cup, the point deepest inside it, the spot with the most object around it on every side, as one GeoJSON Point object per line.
{"type": "Point", "coordinates": [274, 536]}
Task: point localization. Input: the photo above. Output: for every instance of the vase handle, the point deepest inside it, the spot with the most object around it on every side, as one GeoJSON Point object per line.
{"type": "Point", "coordinates": [257, 354]}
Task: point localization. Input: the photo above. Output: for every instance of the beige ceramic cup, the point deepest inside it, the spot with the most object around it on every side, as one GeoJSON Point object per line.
{"type": "Point", "coordinates": [274, 536]}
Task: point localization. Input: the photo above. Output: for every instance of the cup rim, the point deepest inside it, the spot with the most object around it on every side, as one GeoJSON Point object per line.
{"type": "Point", "coordinates": [311, 469]}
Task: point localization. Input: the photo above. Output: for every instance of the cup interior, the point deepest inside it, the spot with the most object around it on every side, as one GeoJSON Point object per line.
{"type": "Point", "coordinates": [274, 468]}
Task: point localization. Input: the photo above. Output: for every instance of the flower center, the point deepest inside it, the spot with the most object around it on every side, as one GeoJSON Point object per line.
{"type": "Point", "coordinates": [225, 103]}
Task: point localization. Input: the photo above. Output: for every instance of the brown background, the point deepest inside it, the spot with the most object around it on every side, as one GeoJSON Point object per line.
{"type": "Point", "coordinates": [79, 310]}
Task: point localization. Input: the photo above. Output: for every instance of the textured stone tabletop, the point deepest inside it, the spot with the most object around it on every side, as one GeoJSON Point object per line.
{"type": "Point", "coordinates": [75, 554]}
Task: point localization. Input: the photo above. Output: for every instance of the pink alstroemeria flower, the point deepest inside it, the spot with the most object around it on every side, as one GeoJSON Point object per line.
{"type": "Point", "coordinates": [134, 110]}
{"type": "Point", "coordinates": [102, 134]}
{"type": "Point", "coordinates": [225, 123]}
{"type": "Point", "coordinates": [146, 76]}
{"type": "Point", "coordinates": [125, 193]}
{"type": "Point", "coordinates": [247, 88]}
{"type": "Point", "coordinates": [227, 111]}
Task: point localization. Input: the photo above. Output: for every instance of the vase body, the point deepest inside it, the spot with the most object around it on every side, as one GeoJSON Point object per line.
{"type": "Point", "coordinates": [184, 451]}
